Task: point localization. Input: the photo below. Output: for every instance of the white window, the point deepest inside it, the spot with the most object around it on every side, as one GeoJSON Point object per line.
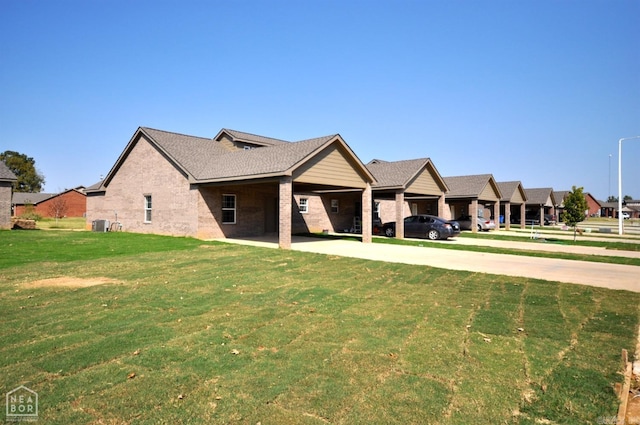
{"type": "Point", "coordinates": [335, 206]}
{"type": "Point", "coordinates": [229, 209]}
{"type": "Point", "coordinates": [147, 208]}
{"type": "Point", "coordinates": [304, 205]}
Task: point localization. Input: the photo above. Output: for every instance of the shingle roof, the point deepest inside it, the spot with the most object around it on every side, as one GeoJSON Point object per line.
{"type": "Point", "coordinates": [538, 196]}
{"type": "Point", "coordinates": [396, 173]}
{"type": "Point", "coordinates": [560, 195]}
{"type": "Point", "coordinates": [189, 152]}
{"type": "Point", "coordinates": [251, 138]}
{"type": "Point", "coordinates": [255, 162]}
{"type": "Point", "coordinates": [508, 189]}
{"type": "Point", "coordinates": [6, 174]}
{"type": "Point", "coordinates": [21, 198]}
{"type": "Point", "coordinates": [467, 186]}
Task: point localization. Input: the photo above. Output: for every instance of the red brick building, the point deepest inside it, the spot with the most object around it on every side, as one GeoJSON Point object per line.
{"type": "Point", "coordinates": [70, 203]}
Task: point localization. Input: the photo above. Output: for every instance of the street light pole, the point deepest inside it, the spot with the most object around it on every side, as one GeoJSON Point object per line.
{"type": "Point", "coordinates": [620, 181]}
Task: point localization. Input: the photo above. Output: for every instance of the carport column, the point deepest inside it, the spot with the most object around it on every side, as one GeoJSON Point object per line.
{"type": "Point", "coordinates": [541, 215]}
{"type": "Point", "coordinates": [400, 214]}
{"type": "Point", "coordinates": [496, 214]}
{"type": "Point", "coordinates": [474, 216]}
{"type": "Point", "coordinates": [367, 217]}
{"type": "Point", "coordinates": [285, 203]}
{"type": "Point", "coordinates": [523, 211]}
{"type": "Point", "coordinates": [441, 208]}
{"type": "Point", "coordinates": [507, 216]}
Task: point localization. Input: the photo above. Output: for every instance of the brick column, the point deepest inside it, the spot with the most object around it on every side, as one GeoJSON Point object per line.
{"type": "Point", "coordinates": [367, 214]}
{"type": "Point", "coordinates": [441, 206]}
{"type": "Point", "coordinates": [285, 204]}
{"type": "Point", "coordinates": [400, 214]}
{"type": "Point", "coordinates": [496, 214]}
{"type": "Point", "coordinates": [474, 216]}
{"type": "Point", "coordinates": [507, 216]}
{"type": "Point", "coordinates": [523, 210]}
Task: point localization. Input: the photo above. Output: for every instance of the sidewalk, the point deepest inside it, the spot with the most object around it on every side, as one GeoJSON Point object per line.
{"type": "Point", "coordinates": [605, 275]}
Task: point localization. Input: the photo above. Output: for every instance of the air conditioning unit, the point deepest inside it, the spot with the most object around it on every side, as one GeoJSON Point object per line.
{"type": "Point", "coordinates": [100, 225]}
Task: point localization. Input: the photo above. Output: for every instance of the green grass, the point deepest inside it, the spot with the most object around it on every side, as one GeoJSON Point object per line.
{"type": "Point", "coordinates": [67, 223]}
{"type": "Point", "coordinates": [320, 339]}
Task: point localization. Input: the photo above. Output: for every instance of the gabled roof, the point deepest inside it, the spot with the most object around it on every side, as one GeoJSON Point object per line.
{"type": "Point", "coordinates": [399, 174]}
{"type": "Point", "coordinates": [21, 198]}
{"type": "Point", "coordinates": [6, 174]}
{"type": "Point", "coordinates": [508, 189]}
{"type": "Point", "coordinates": [204, 160]}
{"type": "Point", "coordinates": [239, 136]}
{"type": "Point", "coordinates": [540, 196]}
{"type": "Point", "coordinates": [559, 196]}
{"type": "Point", "coordinates": [470, 186]}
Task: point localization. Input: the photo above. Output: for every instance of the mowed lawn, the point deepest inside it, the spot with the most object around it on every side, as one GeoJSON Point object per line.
{"type": "Point", "coordinates": [185, 331]}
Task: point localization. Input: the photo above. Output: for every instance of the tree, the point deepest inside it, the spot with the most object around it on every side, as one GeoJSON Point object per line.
{"type": "Point", "coordinates": [24, 167]}
{"type": "Point", "coordinates": [58, 207]}
{"type": "Point", "coordinates": [575, 207]}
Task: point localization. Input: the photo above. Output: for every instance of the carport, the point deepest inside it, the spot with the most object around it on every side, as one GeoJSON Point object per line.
{"type": "Point", "coordinates": [471, 195]}
{"type": "Point", "coordinates": [514, 198]}
{"type": "Point", "coordinates": [414, 183]}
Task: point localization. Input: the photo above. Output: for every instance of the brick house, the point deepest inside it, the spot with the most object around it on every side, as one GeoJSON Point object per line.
{"type": "Point", "coordinates": [513, 203]}
{"type": "Point", "coordinates": [7, 178]}
{"type": "Point", "coordinates": [234, 185]}
{"type": "Point", "coordinates": [593, 205]}
{"type": "Point", "coordinates": [475, 196]}
{"type": "Point", "coordinates": [70, 203]}
{"type": "Point", "coordinates": [405, 188]}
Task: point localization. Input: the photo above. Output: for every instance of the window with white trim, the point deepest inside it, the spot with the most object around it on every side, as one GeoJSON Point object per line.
{"type": "Point", "coordinates": [229, 209]}
{"type": "Point", "coordinates": [335, 206]}
{"type": "Point", "coordinates": [147, 208]}
{"type": "Point", "coordinates": [304, 205]}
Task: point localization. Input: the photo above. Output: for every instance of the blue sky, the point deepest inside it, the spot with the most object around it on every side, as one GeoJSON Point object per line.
{"type": "Point", "coordinates": [537, 91]}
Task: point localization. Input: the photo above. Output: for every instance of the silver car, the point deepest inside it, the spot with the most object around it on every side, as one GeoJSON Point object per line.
{"type": "Point", "coordinates": [484, 224]}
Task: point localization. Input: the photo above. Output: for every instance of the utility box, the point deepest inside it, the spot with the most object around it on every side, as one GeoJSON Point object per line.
{"type": "Point", "coordinates": [100, 226]}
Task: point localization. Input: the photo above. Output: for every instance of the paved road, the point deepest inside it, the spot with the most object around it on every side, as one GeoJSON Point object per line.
{"type": "Point", "coordinates": [606, 275]}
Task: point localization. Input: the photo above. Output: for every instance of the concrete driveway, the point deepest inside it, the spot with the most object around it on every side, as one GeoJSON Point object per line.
{"type": "Point", "coordinates": [605, 275]}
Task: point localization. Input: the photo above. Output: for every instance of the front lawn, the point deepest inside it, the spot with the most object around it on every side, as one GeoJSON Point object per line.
{"type": "Point", "coordinates": [124, 328]}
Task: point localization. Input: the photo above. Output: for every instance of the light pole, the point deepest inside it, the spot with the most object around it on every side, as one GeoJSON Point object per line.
{"type": "Point", "coordinates": [620, 181]}
{"type": "Point", "coordinates": [609, 194]}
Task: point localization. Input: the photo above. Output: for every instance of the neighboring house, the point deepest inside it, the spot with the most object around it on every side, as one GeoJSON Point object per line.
{"type": "Point", "coordinates": [608, 209]}
{"type": "Point", "coordinates": [70, 203]}
{"type": "Point", "coordinates": [633, 207]}
{"type": "Point", "coordinates": [404, 188]}
{"type": "Point", "coordinates": [234, 185]}
{"type": "Point", "coordinates": [513, 203]}
{"type": "Point", "coordinates": [476, 196]}
{"type": "Point", "coordinates": [540, 201]}
{"type": "Point", "coordinates": [593, 205]}
{"type": "Point", "coordinates": [7, 178]}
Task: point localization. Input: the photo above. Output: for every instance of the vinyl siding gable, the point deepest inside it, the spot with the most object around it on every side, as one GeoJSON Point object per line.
{"type": "Point", "coordinates": [331, 167]}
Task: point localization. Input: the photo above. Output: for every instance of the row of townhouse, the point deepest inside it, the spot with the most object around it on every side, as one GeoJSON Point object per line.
{"type": "Point", "coordinates": [238, 184]}
{"type": "Point", "coordinates": [241, 185]}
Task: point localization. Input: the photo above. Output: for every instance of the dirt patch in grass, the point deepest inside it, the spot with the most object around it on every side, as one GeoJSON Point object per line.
{"type": "Point", "coordinates": [70, 282]}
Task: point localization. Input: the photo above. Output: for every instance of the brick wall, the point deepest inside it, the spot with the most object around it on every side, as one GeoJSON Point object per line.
{"type": "Point", "coordinates": [146, 172]}
{"type": "Point", "coordinates": [5, 205]}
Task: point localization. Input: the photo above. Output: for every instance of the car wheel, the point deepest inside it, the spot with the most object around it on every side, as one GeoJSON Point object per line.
{"type": "Point", "coordinates": [433, 235]}
{"type": "Point", "coordinates": [479, 228]}
{"type": "Point", "coordinates": [389, 232]}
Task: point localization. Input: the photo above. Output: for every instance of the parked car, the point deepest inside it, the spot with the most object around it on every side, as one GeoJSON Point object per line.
{"type": "Point", "coordinates": [485, 224]}
{"type": "Point", "coordinates": [625, 216]}
{"type": "Point", "coordinates": [424, 226]}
